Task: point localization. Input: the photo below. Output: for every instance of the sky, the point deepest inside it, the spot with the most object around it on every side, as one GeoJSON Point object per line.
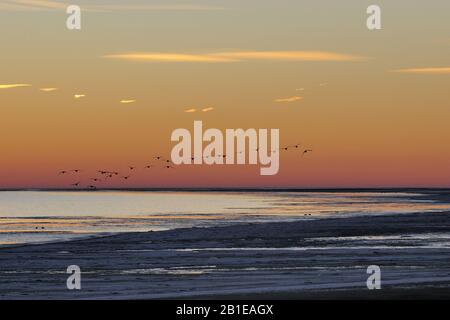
{"type": "Point", "coordinates": [372, 105]}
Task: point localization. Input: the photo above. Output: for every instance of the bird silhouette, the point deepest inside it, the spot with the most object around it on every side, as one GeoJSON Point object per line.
{"type": "Point", "coordinates": [148, 166]}
{"type": "Point", "coordinates": [76, 184]}
{"type": "Point", "coordinates": [126, 177]}
{"type": "Point", "coordinates": [95, 179]}
{"type": "Point", "coordinates": [76, 170]}
{"type": "Point", "coordinates": [131, 168]}
{"type": "Point", "coordinates": [62, 172]}
{"type": "Point", "coordinates": [306, 151]}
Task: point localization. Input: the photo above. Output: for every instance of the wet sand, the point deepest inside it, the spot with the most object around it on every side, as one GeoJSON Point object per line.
{"type": "Point", "coordinates": [308, 259]}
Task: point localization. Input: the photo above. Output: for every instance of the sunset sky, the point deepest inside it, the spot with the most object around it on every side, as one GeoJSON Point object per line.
{"type": "Point", "coordinates": [373, 105]}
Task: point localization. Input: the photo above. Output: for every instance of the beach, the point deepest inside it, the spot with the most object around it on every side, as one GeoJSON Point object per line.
{"type": "Point", "coordinates": [323, 258]}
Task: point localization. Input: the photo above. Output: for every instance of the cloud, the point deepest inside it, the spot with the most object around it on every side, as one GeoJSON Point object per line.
{"type": "Point", "coordinates": [190, 110]}
{"type": "Point", "coordinates": [237, 56]}
{"type": "Point", "coordinates": [15, 7]}
{"type": "Point", "coordinates": [290, 56]}
{"type": "Point", "coordinates": [207, 109]}
{"type": "Point", "coordinates": [127, 101]}
{"type": "Point", "coordinates": [46, 5]}
{"type": "Point", "coordinates": [32, 5]}
{"type": "Point", "coordinates": [48, 89]}
{"type": "Point", "coordinates": [290, 99]}
{"type": "Point", "coordinates": [10, 86]}
{"type": "Point", "coordinates": [78, 96]}
{"type": "Point", "coordinates": [150, 7]}
{"type": "Point", "coordinates": [442, 70]}
{"type": "Point", "coordinates": [167, 57]}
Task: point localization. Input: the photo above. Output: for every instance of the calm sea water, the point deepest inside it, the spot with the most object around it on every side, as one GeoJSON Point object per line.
{"type": "Point", "coordinates": [41, 216]}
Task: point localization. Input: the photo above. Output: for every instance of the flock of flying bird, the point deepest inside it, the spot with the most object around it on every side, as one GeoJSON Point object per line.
{"type": "Point", "coordinates": [106, 175]}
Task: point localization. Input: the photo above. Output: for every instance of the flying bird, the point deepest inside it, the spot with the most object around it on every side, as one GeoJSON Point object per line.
{"type": "Point", "coordinates": [306, 151]}
{"type": "Point", "coordinates": [75, 184]}
{"type": "Point", "coordinates": [290, 147]}
{"type": "Point", "coordinates": [62, 172]}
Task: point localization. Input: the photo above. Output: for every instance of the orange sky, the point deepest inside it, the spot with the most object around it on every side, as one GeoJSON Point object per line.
{"type": "Point", "coordinates": [373, 105]}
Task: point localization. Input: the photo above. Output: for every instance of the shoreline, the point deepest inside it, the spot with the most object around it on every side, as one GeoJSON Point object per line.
{"type": "Point", "coordinates": [310, 258]}
{"type": "Point", "coordinates": [51, 217]}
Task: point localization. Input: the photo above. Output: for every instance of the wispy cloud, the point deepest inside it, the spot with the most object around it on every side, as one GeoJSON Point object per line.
{"type": "Point", "coordinates": [290, 99]}
{"type": "Point", "coordinates": [127, 101]}
{"type": "Point", "coordinates": [190, 110]}
{"type": "Point", "coordinates": [46, 5]}
{"type": "Point", "coordinates": [31, 5]}
{"type": "Point", "coordinates": [48, 89]}
{"type": "Point", "coordinates": [440, 70]}
{"type": "Point", "coordinates": [79, 96]}
{"type": "Point", "coordinates": [10, 6]}
{"type": "Point", "coordinates": [237, 56]}
{"type": "Point", "coordinates": [167, 57]}
{"type": "Point", "coordinates": [289, 56]}
{"type": "Point", "coordinates": [207, 109]}
{"type": "Point", "coordinates": [11, 86]}
{"type": "Point", "coordinates": [150, 7]}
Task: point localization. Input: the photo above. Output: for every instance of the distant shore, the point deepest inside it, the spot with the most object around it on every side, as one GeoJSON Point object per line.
{"type": "Point", "coordinates": [317, 259]}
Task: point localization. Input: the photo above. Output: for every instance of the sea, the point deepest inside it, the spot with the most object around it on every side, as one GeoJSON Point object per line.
{"type": "Point", "coordinates": [46, 216]}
